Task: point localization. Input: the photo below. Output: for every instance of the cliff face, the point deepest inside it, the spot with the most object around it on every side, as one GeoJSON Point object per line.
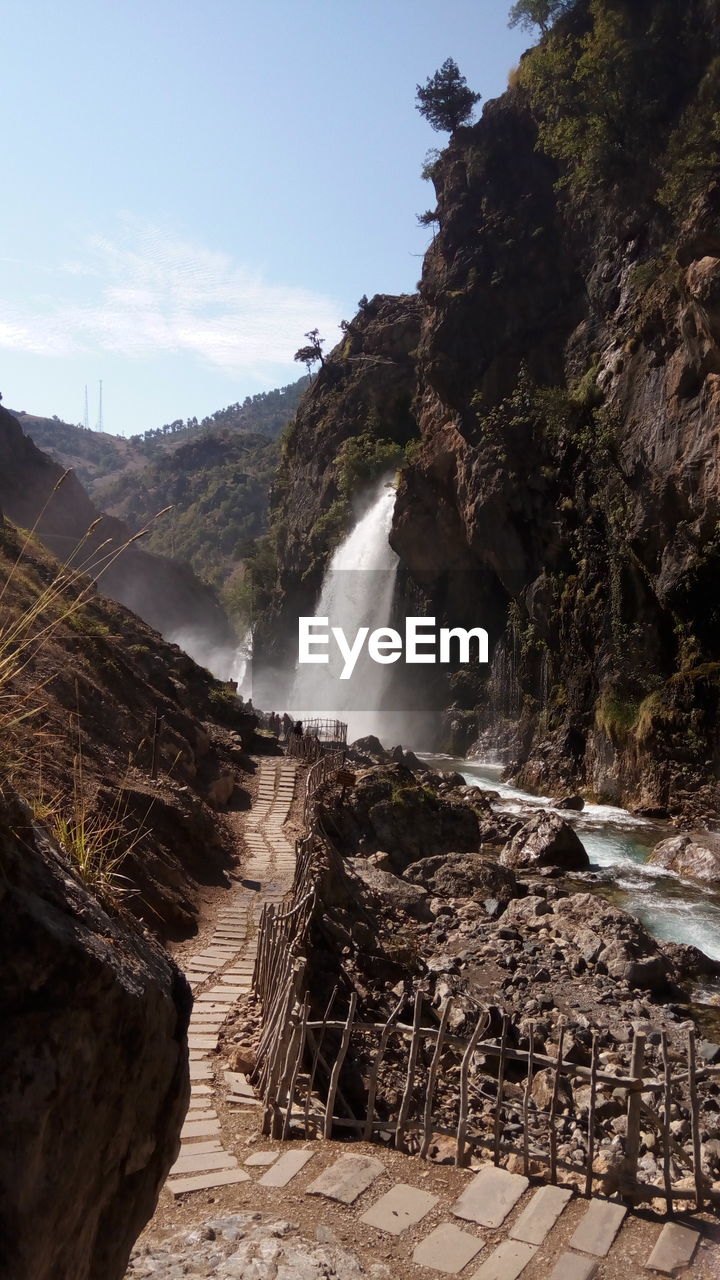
{"type": "Point", "coordinates": [93, 1068]}
{"type": "Point", "coordinates": [567, 392]}
{"type": "Point", "coordinates": [570, 412]}
{"type": "Point", "coordinates": [166, 594]}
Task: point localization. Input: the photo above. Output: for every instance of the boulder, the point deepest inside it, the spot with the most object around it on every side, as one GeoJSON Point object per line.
{"type": "Point", "coordinates": [464, 875]}
{"type": "Point", "coordinates": [369, 746]}
{"type": "Point", "coordinates": [388, 890]}
{"type": "Point", "coordinates": [687, 857]}
{"type": "Point", "coordinates": [546, 840]}
{"type": "Point", "coordinates": [93, 1068]}
{"type": "Point", "coordinates": [575, 804]}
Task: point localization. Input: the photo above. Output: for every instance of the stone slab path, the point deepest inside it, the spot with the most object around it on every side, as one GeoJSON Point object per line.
{"type": "Point", "coordinates": [486, 1225]}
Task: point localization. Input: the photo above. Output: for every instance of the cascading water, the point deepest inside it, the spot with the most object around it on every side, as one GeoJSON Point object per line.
{"type": "Point", "coordinates": [357, 592]}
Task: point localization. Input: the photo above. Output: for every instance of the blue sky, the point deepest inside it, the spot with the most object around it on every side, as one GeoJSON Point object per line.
{"type": "Point", "coordinates": [189, 186]}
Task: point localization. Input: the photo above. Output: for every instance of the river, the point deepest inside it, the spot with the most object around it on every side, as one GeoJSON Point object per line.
{"type": "Point", "coordinates": [618, 845]}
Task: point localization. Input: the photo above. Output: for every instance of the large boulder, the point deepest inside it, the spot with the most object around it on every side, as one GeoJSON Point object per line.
{"type": "Point", "coordinates": [93, 1068]}
{"type": "Point", "coordinates": [464, 875]}
{"type": "Point", "coordinates": [688, 858]}
{"type": "Point", "coordinates": [546, 840]}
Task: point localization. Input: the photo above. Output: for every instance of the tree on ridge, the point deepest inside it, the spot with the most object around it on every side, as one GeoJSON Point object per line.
{"type": "Point", "coordinates": [446, 100]}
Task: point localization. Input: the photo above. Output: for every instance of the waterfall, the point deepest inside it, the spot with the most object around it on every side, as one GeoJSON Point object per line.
{"type": "Point", "coordinates": [357, 591]}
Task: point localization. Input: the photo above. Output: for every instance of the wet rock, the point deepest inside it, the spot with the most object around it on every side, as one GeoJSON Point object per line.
{"type": "Point", "coordinates": [687, 857]}
{"type": "Point", "coordinates": [545, 841]}
{"type": "Point", "coordinates": [573, 803]}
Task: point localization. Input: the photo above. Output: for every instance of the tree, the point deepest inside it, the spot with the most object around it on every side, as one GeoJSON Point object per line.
{"type": "Point", "coordinates": [537, 13]}
{"type": "Point", "coordinates": [445, 100]}
{"type": "Point", "coordinates": [313, 352]}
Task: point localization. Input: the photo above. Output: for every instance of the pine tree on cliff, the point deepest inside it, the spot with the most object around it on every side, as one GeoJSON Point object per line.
{"type": "Point", "coordinates": [445, 100]}
{"type": "Point", "coordinates": [537, 13]}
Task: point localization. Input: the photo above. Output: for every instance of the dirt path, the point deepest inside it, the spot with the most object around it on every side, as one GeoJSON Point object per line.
{"type": "Point", "coordinates": [400, 1217]}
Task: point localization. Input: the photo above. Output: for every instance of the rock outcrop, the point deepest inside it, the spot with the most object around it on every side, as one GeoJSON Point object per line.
{"type": "Point", "coordinates": [93, 1068]}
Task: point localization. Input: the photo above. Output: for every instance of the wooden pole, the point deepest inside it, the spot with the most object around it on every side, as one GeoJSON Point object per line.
{"type": "Point", "coordinates": [632, 1147]}
{"type": "Point", "coordinates": [432, 1078]}
{"type": "Point", "coordinates": [500, 1087]}
{"type": "Point", "coordinates": [591, 1115]}
{"type": "Point", "coordinates": [553, 1107]}
{"type": "Point", "coordinates": [302, 1037]}
{"type": "Point", "coordinates": [695, 1121]}
{"type": "Point", "coordinates": [337, 1066]}
{"type": "Point", "coordinates": [410, 1078]}
{"type": "Point", "coordinates": [375, 1072]}
{"type": "Point", "coordinates": [526, 1101]}
{"type": "Point", "coordinates": [481, 1027]}
{"type": "Point", "coordinates": [667, 1104]}
{"type": "Point", "coordinates": [316, 1054]}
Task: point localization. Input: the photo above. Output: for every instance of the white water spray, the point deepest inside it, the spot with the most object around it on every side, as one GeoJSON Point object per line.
{"type": "Point", "coordinates": [357, 592]}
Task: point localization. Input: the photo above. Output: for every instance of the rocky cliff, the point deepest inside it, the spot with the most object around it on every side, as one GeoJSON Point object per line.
{"type": "Point", "coordinates": [566, 386]}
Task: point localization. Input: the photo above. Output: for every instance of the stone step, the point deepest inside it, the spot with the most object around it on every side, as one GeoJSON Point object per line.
{"type": "Point", "coordinates": [540, 1215]}
{"type": "Point", "coordinates": [401, 1207]}
{"type": "Point", "coordinates": [286, 1168]}
{"type": "Point", "coordinates": [201, 1148]}
{"type": "Point", "coordinates": [199, 1129]}
{"type": "Point", "coordinates": [598, 1228]}
{"type": "Point", "coordinates": [202, 1042]}
{"type": "Point", "coordinates": [207, 1181]}
{"type": "Point", "coordinates": [447, 1249]}
{"type": "Point", "coordinates": [196, 1114]}
{"type": "Point", "coordinates": [572, 1267]}
{"type": "Point", "coordinates": [507, 1262]}
{"type": "Point", "coordinates": [259, 1158]}
{"type": "Point", "coordinates": [674, 1249]}
{"type": "Point", "coordinates": [490, 1197]}
{"type": "Point", "coordinates": [203, 1163]}
{"type": "Point", "coordinates": [347, 1178]}
{"type": "Point", "coordinates": [200, 1071]}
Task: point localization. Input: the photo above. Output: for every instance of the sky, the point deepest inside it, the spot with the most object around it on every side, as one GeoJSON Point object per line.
{"type": "Point", "coordinates": [191, 185]}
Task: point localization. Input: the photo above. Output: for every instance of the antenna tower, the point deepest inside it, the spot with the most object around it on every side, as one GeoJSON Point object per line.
{"type": "Point", "coordinates": [100, 410]}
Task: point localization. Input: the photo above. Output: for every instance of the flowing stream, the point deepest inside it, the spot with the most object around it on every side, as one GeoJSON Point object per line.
{"type": "Point", "coordinates": [357, 592]}
{"type": "Point", "coordinates": [618, 844]}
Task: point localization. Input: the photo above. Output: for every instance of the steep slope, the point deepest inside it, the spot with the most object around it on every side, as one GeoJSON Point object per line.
{"type": "Point", "coordinates": [166, 594]}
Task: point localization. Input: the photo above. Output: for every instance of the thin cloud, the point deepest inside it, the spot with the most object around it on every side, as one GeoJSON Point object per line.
{"type": "Point", "coordinates": [148, 293]}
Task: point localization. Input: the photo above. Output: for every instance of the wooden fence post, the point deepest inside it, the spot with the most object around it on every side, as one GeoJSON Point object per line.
{"type": "Point", "coordinates": [480, 1028]}
{"type": "Point", "coordinates": [526, 1101]}
{"type": "Point", "coordinates": [374, 1074]}
{"type": "Point", "coordinates": [632, 1147]}
{"type": "Point", "coordinates": [695, 1120]}
{"type": "Point", "coordinates": [410, 1079]}
{"type": "Point", "coordinates": [667, 1105]}
{"type": "Point", "coordinates": [500, 1087]}
{"type": "Point", "coordinates": [337, 1066]}
{"type": "Point", "coordinates": [591, 1115]}
{"type": "Point", "coordinates": [432, 1077]}
{"type": "Point", "coordinates": [553, 1106]}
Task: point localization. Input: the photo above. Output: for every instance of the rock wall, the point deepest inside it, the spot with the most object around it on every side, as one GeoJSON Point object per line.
{"type": "Point", "coordinates": [93, 1068]}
